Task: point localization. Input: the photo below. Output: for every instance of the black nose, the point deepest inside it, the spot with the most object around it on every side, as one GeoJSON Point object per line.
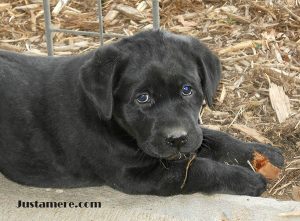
{"type": "Point", "coordinates": [176, 138]}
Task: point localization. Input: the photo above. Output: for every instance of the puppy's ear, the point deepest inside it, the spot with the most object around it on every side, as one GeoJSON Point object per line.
{"type": "Point", "coordinates": [97, 78]}
{"type": "Point", "coordinates": [209, 70]}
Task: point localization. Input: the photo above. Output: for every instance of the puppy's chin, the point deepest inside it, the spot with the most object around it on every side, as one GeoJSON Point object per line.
{"type": "Point", "coordinates": [149, 150]}
{"type": "Point", "coordinates": [171, 155]}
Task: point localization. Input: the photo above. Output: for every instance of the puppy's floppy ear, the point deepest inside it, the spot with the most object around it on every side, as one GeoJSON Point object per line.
{"type": "Point", "coordinates": [97, 78]}
{"type": "Point", "coordinates": [209, 70]}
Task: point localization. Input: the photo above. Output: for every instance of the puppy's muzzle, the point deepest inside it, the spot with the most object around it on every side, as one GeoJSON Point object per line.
{"type": "Point", "coordinates": [176, 138]}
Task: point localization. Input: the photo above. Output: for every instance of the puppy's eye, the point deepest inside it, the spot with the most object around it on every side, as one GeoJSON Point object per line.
{"type": "Point", "coordinates": [186, 90]}
{"type": "Point", "coordinates": [143, 98]}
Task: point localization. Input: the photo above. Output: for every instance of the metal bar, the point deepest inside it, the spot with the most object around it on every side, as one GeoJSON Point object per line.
{"type": "Point", "coordinates": [99, 2]}
{"type": "Point", "coordinates": [90, 33]}
{"type": "Point", "coordinates": [155, 14]}
{"type": "Point", "coordinates": [48, 31]}
{"type": "Point", "coordinates": [101, 34]}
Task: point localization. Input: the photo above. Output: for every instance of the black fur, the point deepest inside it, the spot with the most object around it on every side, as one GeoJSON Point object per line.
{"type": "Point", "coordinates": [75, 121]}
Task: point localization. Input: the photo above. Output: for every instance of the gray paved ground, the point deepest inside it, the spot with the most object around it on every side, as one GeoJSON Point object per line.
{"type": "Point", "coordinates": [119, 206]}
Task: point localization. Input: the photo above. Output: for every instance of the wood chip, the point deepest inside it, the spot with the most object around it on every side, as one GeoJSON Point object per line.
{"type": "Point", "coordinates": [277, 54]}
{"type": "Point", "coordinates": [179, 28]}
{"type": "Point", "coordinates": [72, 9]}
{"type": "Point", "coordinates": [241, 45]}
{"type": "Point", "coordinates": [110, 16]}
{"type": "Point", "coordinates": [280, 102]}
{"type": "Point", "coordinates": [34, 52]}
{"type": "Point", "coordinates": [27, 7]}
{"type": "Point", "coordinates": [251, 133]}
{"type": "Point", "coordinates": [59, 6]}
{"type": "Point", "coordinates": [212, 127]}
{"type": "Point", "coordinates": [129, 11]}
{"type": "Point", "coordinates": [59, 191]}
{"type": "Point", "coordinates": [147, 27]}
{"type": "Point", "coordinates": [237, 84]}
{"type": "Point", "coordinates": [187, 16]}
{"type": "Point", "coordinates": [142, 6]}
{"type": "Point", "coordinates": [296, 193]}
{"type": "Point", "coordinates": [232, 60]}
{"type": "Point", "coordinates": [11, 47]}
{"type": "Point", "coordinates": [263, 8]}
{"type": "Point", "coordinates": [273, 72]}
{"type": "Point", "coordinates": [296, 17]}
{"type": "Point", "coordinates": [223, 94]}
{"type": "Point", "coordinates": [237, 18]}
{"type": "Point", "coordinates": [149, 2]}
{"type": "Point", "coordinates": [4, 6]}
{"type": "Point", "coordinates": [187, 23]}
{"type": "Point", "coordinates": [288, 214]}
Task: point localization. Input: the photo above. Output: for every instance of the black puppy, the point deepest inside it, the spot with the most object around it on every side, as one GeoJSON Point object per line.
{"type": "Point", "coordinates": [124, 115]}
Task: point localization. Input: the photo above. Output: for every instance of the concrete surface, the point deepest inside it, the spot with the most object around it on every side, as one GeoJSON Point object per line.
{"type": "Point", "coordinates": [119, 206]}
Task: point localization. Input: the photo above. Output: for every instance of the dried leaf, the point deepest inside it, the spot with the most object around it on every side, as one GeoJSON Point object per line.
{"type": "Point", "coordinates": [262, 165]}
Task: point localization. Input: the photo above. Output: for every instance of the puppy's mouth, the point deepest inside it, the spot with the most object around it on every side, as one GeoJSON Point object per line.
{"type": "Point", "coordinates": [180, 156]}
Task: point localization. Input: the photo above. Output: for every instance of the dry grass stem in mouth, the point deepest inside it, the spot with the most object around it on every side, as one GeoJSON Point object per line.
{"type": "Point", "coordinates": [189, 163]}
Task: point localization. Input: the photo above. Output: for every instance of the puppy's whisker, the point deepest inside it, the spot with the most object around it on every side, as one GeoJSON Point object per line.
{"type": "Point", "coordinates": [138, 150]}
{"type": "Point", "coordinates": [162, 163]}
{"type": "Point", "coordinates": [204, 145]}
{"type": "Point", "coordinates": [207, 139]}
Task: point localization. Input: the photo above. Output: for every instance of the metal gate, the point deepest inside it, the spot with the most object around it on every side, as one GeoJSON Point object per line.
{"type": "Point", "coordinates": [49, 30]}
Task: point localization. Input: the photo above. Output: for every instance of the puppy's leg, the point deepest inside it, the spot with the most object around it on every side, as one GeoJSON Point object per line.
{"type": "Point", "coordinates": [204, 175]}
{"type": "Point", "coordinates": [224, 148]}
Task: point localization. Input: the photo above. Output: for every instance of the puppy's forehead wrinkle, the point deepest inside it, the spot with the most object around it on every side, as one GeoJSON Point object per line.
{"type": "Point", "coordinates": [157, 45]}
{"type": "Point", "coordinates": [167, 70]}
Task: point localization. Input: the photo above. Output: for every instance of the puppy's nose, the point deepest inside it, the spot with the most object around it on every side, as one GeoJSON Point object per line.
{"type": "Point", "coordinates": [176, 138]}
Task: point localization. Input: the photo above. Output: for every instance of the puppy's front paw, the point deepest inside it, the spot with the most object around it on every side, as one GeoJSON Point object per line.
{"type": "Point", "coordinates": [274, 154]}
{"type": "Point", "coordinates": [248, 182]}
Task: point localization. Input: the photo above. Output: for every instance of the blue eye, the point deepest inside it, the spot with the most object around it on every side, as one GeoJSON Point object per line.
{"type": "Point", "coordinates": [143, 98]}
{"type": "Point", "coordinates": [186, 90]}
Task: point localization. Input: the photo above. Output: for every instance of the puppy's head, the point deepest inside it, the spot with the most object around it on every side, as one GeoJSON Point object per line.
{"type": "Point", "coordinates": [153, 85]}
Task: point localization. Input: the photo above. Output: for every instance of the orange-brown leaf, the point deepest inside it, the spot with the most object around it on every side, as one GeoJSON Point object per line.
{"type": "Point", "coordinates": [262, 165]}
